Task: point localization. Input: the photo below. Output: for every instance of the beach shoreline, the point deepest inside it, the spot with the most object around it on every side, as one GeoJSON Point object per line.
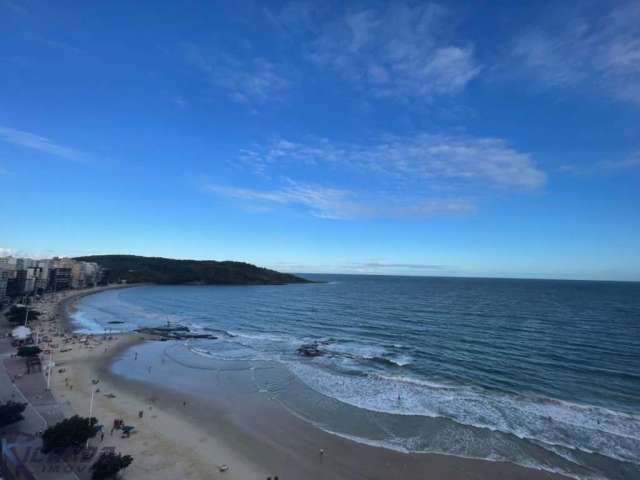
{"type": "Point", "coordinates": [185, 436]}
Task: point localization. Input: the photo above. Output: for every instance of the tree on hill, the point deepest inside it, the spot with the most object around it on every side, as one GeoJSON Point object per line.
{"type": "Point", "coordinates": [11, 412]}
{"type": "Point", "coordinates": [29, 351]}
{"type": "Point", "coordinates": [69, 433]}
{"type": "Point", "coordinates": [109, 464]}
{"type": "Point", "coordinates": [135, 269]}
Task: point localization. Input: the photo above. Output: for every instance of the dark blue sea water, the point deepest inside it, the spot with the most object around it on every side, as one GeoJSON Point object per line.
{"type": "Point", "coordinates": [513, 367]}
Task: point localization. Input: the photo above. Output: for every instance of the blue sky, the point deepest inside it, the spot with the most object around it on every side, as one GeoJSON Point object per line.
{"type": "Point", "coordinates": [497, 138]}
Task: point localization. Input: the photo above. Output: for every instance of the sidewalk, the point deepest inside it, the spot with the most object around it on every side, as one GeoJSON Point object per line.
{"type": "Point", "coordinates": [21, 442]}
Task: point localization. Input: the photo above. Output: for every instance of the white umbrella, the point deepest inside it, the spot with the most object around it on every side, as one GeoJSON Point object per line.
{"type": "Point", "coordinates": [21, 333]}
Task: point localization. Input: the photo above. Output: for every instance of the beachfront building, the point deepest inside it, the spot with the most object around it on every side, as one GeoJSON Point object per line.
{"type": "Point", "coordinates": [90, 274]}
{"type": "Point", "coordinates": [23, 281]}
{"type": "Point", "coordinates": [8, 263]}
{"type": "Point", "coordinates": [42, 282]}
{"type": "Point", "coordinates": [4, 279]}
{"type": "Point", "coordinates": [26, 276]}
{"type": "Point", "coordinates": [24, 263]}
{"type": "Point", "coordinates": [60, 278]}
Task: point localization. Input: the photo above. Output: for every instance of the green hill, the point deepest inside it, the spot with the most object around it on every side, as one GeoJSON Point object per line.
{"type": "Point", "coordinates": [135, 269]}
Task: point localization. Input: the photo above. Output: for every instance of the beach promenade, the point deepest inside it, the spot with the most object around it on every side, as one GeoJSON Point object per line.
{"type": "Point", "coordinates": [21, 441]}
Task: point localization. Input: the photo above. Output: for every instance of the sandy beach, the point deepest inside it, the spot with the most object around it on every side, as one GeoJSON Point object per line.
{"type": "Point", "coordinates": [186, 435]}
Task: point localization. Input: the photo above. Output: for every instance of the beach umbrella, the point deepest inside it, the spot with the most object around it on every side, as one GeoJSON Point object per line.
{"type": "Point", "coordinates": [21, 333]}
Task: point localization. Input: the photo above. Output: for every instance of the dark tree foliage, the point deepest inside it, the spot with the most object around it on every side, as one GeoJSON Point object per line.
{"type": "Point", "coordinates": [28, 351]}
{"type": "Point", "coordinates": [69, 433]}
{"type": "Point", "coordinates": [135, 269]}
{"type": "Point", "coordinates": [11, 412]}
{"type": "Point", "coordinates": [109, 464]}
{"type": "Point", "coordinates": [18, 314]}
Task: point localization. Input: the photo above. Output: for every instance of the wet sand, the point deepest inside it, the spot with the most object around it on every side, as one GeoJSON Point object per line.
{"type": "Point", "coordinates": [190, 433]}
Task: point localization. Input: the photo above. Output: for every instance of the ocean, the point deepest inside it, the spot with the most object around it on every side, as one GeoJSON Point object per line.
{"type": "Point", "coordinates": [541, 373]}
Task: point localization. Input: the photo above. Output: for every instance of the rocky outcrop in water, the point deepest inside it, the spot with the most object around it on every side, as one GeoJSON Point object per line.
{"type": "Point", "coordinates": [175, 332]}
{"type": "Point", "coordinates": [310, 350]}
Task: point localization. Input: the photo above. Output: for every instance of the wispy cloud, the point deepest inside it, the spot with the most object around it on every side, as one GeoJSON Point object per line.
{"type": "Point", "coordinates": [630, 162]}
{"type": "Point", "coordinates": [14, 7]}
{"type": "Point", "coordinates": [599, 52]}
{"type": "Point", "coordinates": [427, 157]}
{"type": "Point", "coordinates": [32, 141]}
{"type": "Point", "coordinates": [605, 166]}
{"type": "Point", "coordinates": [340, 204]}
{"type": "Point", "coordinates": [398, 49]}
{"type": "Point", "coordinates": [244, 80]}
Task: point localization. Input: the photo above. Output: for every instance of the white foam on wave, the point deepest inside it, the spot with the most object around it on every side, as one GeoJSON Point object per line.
{"type": "Point", "coordinates": [203, 352]}
{"type": "Point", "coordinates": [552, 422]}
{"type": "Point", "coordinates": [85, 324]}
{"type": "Point", "coordinates": [364, 351]}
{"type": "Point", "coordinates": [359, 350]}
{"type": "Point", "coordinates": [400, 360]}
{"type": "Point", "coordinates": [261, 336]}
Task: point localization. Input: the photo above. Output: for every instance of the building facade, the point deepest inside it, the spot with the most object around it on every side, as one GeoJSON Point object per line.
{"type": "Point", "coordinates": [4, 279]}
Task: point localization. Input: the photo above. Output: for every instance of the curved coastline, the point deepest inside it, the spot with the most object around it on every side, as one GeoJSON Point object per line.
{"type": "Point", "coordinates": [63, 309]}
{"type": "Point", "coordinates": [260, 436]}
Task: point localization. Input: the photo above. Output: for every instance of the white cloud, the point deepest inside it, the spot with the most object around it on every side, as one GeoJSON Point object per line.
{"type": "Point", "coordinates": [398, 49]}
{"type": "Point", "coordinates": [605, 166]}
{"type": "Point", "coordinates": [6, 252]}
{"type": "Point", "coordinates": [488, 161]}
{"type": "Point", "coordinates": [630, 162]}
{"type": "Point", "coordinates": [24, 139]}
{"type": "Point", "coordinates": [14, 6]}
{"type": "Point", "coordinates": [247, 81]}
{"type": "Point", "coordinates": [600, 52]}
{"type": "Point", "coordinates": [180, 102]}
{"type": "Point", "coordinates": [342, 204]}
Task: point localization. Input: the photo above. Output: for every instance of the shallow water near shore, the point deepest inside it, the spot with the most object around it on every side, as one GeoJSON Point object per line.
{"type": "Point", "coordinates": [538, 373]}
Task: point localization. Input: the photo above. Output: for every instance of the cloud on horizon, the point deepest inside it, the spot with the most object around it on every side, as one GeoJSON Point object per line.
{"type": "Point", "coordinates": [411, 266]}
